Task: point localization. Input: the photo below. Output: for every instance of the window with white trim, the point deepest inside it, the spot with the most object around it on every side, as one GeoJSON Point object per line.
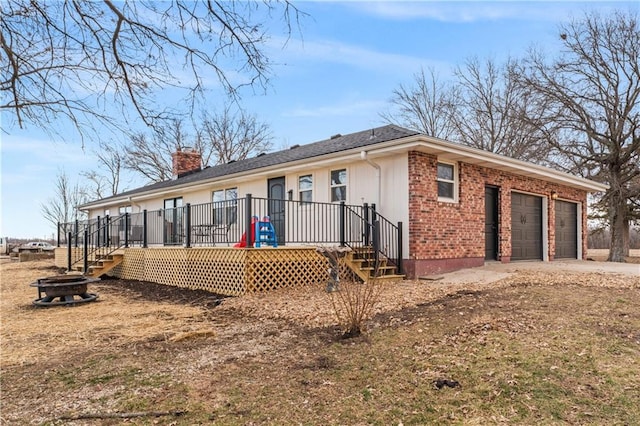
{"type": "Point", "coordinates": [447, 182]}
{"type": "Point", "coordinates": [225, 206]}
{"type": "Point", "coordinates": [124, 209]}
{"type": "Point", "coordinates": [305, 188]}
{"type": "Point", "coordinates": [339, 185]}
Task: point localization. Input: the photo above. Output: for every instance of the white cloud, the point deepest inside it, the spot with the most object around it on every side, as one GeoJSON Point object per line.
{"type": "Point", "coordinates": [327, 51]}
{"type": "Point", "coordinates": [350, 108]}
{"type": "Point", "coordinates": [44, 151]}
{"type": "Point", "coordinates": [473, 11]}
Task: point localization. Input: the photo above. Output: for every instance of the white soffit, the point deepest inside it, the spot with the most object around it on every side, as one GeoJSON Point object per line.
{"type": "Point", "coordinates": [455, 152]}
{"type": "Point", "coordinates": [439, 147]}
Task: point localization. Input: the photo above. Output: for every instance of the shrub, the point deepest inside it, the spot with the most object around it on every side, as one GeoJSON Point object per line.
{"type": "Point", "coordinates": [353, 302]}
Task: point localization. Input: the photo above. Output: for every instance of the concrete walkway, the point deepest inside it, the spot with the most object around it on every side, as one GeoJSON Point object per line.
{"type": "Point", "coordinates": [494, 271]}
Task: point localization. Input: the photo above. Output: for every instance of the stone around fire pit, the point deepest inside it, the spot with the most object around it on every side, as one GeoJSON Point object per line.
{"type": "Point", "coordinates": [65, 288]}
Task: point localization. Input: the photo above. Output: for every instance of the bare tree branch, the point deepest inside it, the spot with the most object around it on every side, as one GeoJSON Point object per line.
{"type": "Point", "coordinates": [426, 107]}
{"type": "Point", "coordinates": [218, 137]}
{"type": "Point", "coordinates": [490, 111]}
{"type": "Point", "coordinates": [227, 136]}
{"type": "Point", "coordinates": [591, 93]}
{"type": "Point", "coordinates": [88, 61]}
{"type": "Point", "coordinates": [62, 206]}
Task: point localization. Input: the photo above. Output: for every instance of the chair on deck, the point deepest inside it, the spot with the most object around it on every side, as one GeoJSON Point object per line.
{"type": "Point", "coordinates": [216, 232]}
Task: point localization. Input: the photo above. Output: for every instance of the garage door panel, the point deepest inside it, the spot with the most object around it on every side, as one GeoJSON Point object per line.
{"type": "Point", "coordinates": [526, 227]}
{"type": "Point", "coordinates": [566, 230]}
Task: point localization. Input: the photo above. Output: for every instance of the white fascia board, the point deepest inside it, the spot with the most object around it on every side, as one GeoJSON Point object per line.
{"type": "Point", "coordinates": [448, 150]}
{"type": "Point", "coordinates": [487, 159]}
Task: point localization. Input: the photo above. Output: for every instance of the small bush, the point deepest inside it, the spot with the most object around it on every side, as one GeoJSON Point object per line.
{"type": "Point", "coordinates": [353, 302]}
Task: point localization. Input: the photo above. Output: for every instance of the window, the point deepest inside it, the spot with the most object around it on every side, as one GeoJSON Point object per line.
{"type": "Point", "coordinates": [124, 209]}
{"type": "Point", "coordinates": [339, 185]}
{"type": "Point", "coordinates": [225, 206]}
{"type": "Point", "coordinates": [173, 221]}
{"type": "Point", "coordinates": [305, 187]}
{"type": "Point", "coordinates": [447, 181]}
{"type": "Point", "coordinates": [121, 211]}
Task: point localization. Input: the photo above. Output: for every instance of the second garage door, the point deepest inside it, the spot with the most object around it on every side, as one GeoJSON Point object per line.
{"type": "Point", "coordinates": [566, 230]}
{"type": "Point", "coordinates": [526, 227]}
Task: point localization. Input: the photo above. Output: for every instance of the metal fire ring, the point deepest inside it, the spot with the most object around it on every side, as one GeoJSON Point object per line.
{"type": "Point", "coordinates": [68, 289]}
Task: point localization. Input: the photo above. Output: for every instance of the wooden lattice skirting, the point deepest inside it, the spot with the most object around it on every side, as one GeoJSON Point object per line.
{"type": "Point", "coordinates": [221, 270]}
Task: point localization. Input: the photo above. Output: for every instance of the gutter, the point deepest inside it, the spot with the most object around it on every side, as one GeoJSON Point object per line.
{"type": "Point", "coordinates": [364, 157]}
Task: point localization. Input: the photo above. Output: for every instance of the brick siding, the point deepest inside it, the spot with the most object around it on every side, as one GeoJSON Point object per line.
{"type": "Point", "coordinates": [445, 236]}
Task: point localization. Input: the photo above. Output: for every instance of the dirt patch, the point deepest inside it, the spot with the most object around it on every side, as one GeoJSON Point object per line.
{"type": "Point", "coordinates": [534, 347]}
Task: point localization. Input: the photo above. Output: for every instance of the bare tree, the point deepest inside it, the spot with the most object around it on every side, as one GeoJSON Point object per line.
{"type": "Point", "coordinates": [105, 181]}
{"type": "Point", "coordinates": [150, 156]}
{"type": "Point", "coordinates": [490, 109]}
{"type": "Point", "coordinates": [219, 138]}
{"type": "Point", "coordinates": [482, 107]}
{"type": "Point", "coordinates": [227, 136]}
{"type": "Point", "coordinates": [82, 59]}
{"type": "Point", "coordinates": [592, 91]}
{"type": "Point", "coordinates": [62, 206]}
{"type": "Point", "coordinates": [427, 106]}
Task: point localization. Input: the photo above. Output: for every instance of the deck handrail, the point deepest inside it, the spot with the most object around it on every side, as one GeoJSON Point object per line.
{"type": "Point", "coordinates": [98, 241]}
{"type": "Point", "coordinates": [384, 237]}
{"type": "Point", "coordinates": [229, 222]}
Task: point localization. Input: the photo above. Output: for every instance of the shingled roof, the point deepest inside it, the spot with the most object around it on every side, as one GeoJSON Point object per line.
{"type": "Point", "coordinates": [333, 145]}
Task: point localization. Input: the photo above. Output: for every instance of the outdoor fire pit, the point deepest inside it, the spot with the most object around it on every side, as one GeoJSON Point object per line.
{"type": "Point", "coordinates": [67, 289]}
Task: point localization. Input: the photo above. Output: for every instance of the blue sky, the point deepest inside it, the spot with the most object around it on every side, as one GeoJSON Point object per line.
{"type": "Point", "coordinates": [336, 76]}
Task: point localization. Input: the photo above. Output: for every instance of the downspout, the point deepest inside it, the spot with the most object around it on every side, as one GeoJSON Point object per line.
{"type": "Point", "coordinates": [363, 156]}
{"type": "Point", "coordinates": [130, 200]}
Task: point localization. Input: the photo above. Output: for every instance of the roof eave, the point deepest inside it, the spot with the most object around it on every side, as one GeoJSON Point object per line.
{"type": "Point", "coordinates": [456, 152]}
{"type": "Point", "coordinates": [440, 147]}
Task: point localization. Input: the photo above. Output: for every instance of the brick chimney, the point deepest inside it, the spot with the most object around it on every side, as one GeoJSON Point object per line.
{"type": "Point", "coordinates": [185, 160]}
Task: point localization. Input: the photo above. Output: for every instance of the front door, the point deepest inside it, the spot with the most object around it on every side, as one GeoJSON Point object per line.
{"type": "Point", "coordinates": [277, 197]}
{"type": "Point", "coordinates": [490, 223]}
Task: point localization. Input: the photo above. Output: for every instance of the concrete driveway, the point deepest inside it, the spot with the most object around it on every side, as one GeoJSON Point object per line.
{"type": "Point", "coordinates": [494, 271]}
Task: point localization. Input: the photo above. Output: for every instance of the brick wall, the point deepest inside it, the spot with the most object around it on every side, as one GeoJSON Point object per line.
{"type": "Point", "coordinates": [446, 236]}
{"type": "Point", "coordinates": [185, 161]}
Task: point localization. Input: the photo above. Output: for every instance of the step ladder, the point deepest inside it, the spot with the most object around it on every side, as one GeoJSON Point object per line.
{"type": "Point", "coordinates": [265, 233]}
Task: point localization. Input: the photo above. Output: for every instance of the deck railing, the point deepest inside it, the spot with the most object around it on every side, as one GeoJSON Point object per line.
{"type": "Point", "coordinates": [233, 223]}
{"type": "Point", "coordinates": [98, 239]}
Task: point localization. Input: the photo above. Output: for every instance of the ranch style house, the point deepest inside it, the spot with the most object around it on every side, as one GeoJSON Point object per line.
{"type": "Point", "coordinates": [404, 204]}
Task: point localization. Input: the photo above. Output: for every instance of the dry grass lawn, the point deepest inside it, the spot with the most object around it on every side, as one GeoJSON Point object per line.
{"type": "Point", "coordinates": [532, 348]}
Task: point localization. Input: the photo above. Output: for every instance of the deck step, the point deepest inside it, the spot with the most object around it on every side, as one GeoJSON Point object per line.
{"type": "Point", "coordinates": [101, 266]}
{"type": "Point", "coordinates": [365, 268]}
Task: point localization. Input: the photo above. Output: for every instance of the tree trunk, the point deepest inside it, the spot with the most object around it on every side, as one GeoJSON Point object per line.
{"type": "Point", "coordinates": [619, 229]}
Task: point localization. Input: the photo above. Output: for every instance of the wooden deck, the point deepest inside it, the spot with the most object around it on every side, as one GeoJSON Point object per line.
{"type": "Point", "coordinates": [220, 270]}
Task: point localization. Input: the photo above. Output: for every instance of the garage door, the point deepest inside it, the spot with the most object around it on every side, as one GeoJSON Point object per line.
{"type": "Point", "coordinates": [526, 227]}
{"type": "Point", "coordinates": [566, 230]}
